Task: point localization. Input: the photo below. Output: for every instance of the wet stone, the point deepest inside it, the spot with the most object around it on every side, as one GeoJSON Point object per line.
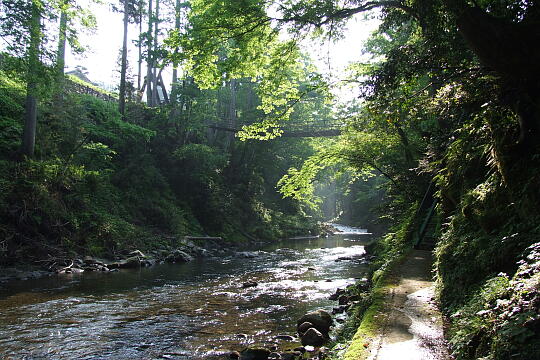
{"type": "Point", "coordinates": [249, 284]}
{"type": "Point", "coordinates": [337, 294]}
{"type": "Point", "coordinates": [285, 337]}
{"type": "Point", "coordinates": [313, 337]}
{"type": "Point", "coordinates": [339, 310]}
{"type": "Point", "coordinates": [321, 320]}
{"type": "Point", "coordinates": [254, 354]}
{"type": "Point", "coordinates": [294, 355]}
{"type": "Point", "coordinates": [343, 300]}
{"type": "Point", "coordinates": [303, 327]}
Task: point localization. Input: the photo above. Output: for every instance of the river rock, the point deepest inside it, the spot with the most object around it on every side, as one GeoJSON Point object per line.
{"type": "Point", "coordinates": [339, 310]}
{"type": "Point", "coordinates": [130, 263]}
{"type": "Point", "coordinates": [254, 354]}
{"type": "Point", "coordinates": [178, 256]}
{"type": "Point", "coordinates": [285, 337]}
{"type": "Point", "coordinates": [137, 253]}
{"type": "Point", "coordinates": [274, 356]}
{"type": "Point", "coordinates": [148, 262]}
{"type": "Point", "coordinates": [321, 320]}
{"type": "Point", "coordinates": [250, 283]}
{"type": "Point", "coordinates": [303, 327]}
{"type": "Point", "coordinates": [234, 355]}
{"type": "Point", "coordinates": [313, 337]}
{"type": "Point", "coordinates": [343, 300]}
{"type": "Point", "coordinates": [337, 294]}
{"type": "Point", "coordinates": [291, 355]}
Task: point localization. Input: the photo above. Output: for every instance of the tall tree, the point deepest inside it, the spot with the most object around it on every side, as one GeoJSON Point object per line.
{"type": "Point", "coordinates": [140, 9]}
{"type": "Point", "coordinates": [179, 6]}
{"type": "Point", "coordinates": [32, 75]}
{"type": "Point", "coordinates": [155, 74]}
{"type": "Point", "coordinates": [131, 11]}
{"type": "Point", "coordinates": [122, 90]}
{"type": "Point", "coordinates": [62, 39]}
{"type": "Point", "coordinates": [149, 57]}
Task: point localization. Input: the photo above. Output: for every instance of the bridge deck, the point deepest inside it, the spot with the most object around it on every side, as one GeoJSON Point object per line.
{"type": "Point", "coordinates": [296, 132]}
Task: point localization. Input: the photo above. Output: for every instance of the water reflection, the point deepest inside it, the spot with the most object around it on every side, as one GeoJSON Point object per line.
{"type": "Point", "coordinates": [189, 311]}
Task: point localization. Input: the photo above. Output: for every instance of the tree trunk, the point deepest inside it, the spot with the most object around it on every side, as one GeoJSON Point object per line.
{"type": "Point", "coordinates": [139, 46]}
{"type": "Point", "coordinates": [231, 114]}
{"type": "Point", "coordinates": [30, 116]}
{"type": "Point", "coordinates": [122, 92]}
{"type": "Point", "coordinates": [149, 57]}
{"type": "Point", "coordinates": [174, 85]}
{"type": "Point", "coordinates": [61, 52]}
{"type": "Point", "coordinates": [155, 94]}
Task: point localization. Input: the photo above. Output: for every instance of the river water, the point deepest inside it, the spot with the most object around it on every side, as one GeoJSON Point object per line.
{"type": "Point", "coordinates": [196, 310]}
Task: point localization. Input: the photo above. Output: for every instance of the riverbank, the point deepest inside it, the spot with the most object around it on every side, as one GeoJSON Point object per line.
{"type": "Point", "coordinates": [183, 251]}
{"type": "Point", "coordinates": [179, 251]}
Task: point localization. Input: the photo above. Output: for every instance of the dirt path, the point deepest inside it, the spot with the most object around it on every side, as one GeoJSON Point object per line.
{"type": "Point", "coordinates": [412, 324]}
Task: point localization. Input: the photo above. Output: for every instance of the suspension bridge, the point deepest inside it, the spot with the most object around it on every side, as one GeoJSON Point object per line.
{"type": "Point", "coordinates": [314, 129]}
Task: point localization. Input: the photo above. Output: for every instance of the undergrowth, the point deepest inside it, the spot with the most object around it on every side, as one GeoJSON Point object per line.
{"type": "Point", "coordinates": [487, 259]}
{"type": "Point", "coordinates": [101, 185]}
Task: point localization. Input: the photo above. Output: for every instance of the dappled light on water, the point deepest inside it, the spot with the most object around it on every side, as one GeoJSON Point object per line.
{"type": "Point", "coordinates": [196, 310]}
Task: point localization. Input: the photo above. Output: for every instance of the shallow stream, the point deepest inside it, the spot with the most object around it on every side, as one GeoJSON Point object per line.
{"type": "Point", "coordinates": [196, 310]}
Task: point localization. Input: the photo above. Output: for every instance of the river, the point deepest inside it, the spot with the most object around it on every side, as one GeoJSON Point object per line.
{"type": "Point", "coordinates": [196, 310]}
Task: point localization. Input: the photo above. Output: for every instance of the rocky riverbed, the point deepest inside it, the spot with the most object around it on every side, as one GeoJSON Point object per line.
{"type": "Point", "coordinates": [185, 252]}
{"type": "Point", "coordinates": [213, 306]}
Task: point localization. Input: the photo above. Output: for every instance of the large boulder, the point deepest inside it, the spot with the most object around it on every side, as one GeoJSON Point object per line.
{"type": "Point", "coordinates": [130, 262]}
{"type": "Point", "coordinates": [303, 327]}
{"type": "Point", "coordinates": [321, 320]}
{"type": "Point", "coordinates": [313, 337]}
{"type": "Point", "coordinates": [178, 256]}
{"type": "Point", "coordinates": [88, 260]}
{"type": "Point", "coordinates": [137, 253]}
{"type": "Point", "coordinates": [254, 354]}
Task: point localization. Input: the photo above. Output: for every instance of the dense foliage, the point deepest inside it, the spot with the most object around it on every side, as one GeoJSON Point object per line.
{"type": "Point", "coordinates": [100, 185]}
